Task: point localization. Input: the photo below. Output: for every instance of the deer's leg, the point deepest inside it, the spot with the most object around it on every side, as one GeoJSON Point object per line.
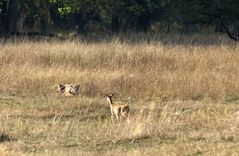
{"type": "Point", "coordinates": [126, 115]}
{"type": "Point", "coordinates": [128, 118]}
{"type": "Point", "coordinates": [112, 113]}
{"type": "Point", "coordinates": [117, 115]}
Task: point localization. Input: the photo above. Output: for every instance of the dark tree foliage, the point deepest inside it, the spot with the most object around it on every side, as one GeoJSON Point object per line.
{"type": "Point", "coordinates": [119, 15]}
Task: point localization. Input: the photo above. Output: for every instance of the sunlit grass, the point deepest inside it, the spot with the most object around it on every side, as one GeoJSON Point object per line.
{"type": "Point", "coordinates": [184, 96]}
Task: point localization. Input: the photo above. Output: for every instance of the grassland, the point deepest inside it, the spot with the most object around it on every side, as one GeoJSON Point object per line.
{"type": "Point", "coordinates": [184, 96]}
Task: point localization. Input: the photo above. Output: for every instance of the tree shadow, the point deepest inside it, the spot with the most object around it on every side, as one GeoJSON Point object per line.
{"type": "Point", "coordinates": [185, 39]}
{"type": "Point", "coordinates": [191, 39]}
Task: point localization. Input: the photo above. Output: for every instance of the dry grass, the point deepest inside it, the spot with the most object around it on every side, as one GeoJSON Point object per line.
{"type": "Point", "coordinates": [137, 70]}
{"type": "Point", "coordinates": [185, 92]}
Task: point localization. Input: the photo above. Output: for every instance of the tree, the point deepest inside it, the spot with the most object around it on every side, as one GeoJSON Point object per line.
{"type": "Point", "coordinates": [11, 16]}
{"type": "Point", "coordinates": [118, 15]}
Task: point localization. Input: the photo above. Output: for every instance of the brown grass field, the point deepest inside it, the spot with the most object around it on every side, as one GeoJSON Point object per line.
{"type": "Point", "coordinates": [184, 93]}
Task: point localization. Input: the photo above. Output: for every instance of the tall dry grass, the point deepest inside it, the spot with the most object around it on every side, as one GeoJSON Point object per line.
{"type": "Point", "coordinates": [171, 80]}
{"type": "Point", "coordinates": [182, 67]}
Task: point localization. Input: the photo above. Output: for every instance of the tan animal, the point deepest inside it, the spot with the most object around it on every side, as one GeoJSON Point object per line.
{"type": "Point", "coordinates": [61, 88]}
{"type": "Point", "coordinates": [118, 109]}
{"type": "Point", "coordinates": [68, 89]}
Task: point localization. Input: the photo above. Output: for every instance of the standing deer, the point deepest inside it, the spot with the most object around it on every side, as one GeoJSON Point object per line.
{"type": "Point", "coordinates": [118, 109]}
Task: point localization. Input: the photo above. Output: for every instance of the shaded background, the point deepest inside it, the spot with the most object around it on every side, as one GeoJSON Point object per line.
{"type": "Point", "coordinates": [73, 17]}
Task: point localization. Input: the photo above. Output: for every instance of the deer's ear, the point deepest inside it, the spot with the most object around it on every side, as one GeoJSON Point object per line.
{"type": "Point", "coordinates": [109, 95]}
{"type": "Point", "coordinates": [61, 86]}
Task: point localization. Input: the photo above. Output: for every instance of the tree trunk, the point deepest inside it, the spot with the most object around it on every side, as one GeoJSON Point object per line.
{"type": "Point", "coordinates": [3, 13]}
{"type": "Point", "coordinates": [115, 24]}
{"type": "Point", "coordinates": [12, 17]}
{"type": "Point", "coordinates": [115, 19]}
{"type": "Point", "coordinates": [168, 26]}
{"type": "Point", "coordinates": [143, 22]}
